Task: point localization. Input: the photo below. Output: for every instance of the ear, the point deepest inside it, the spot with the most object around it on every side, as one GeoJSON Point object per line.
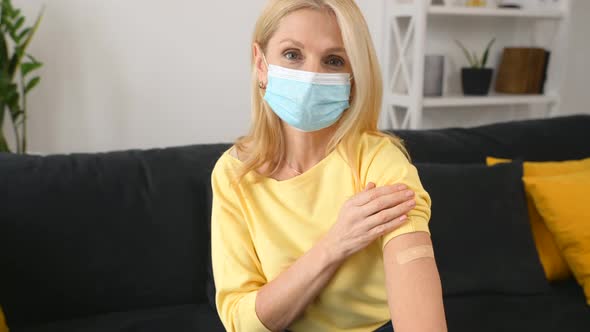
{"type": "Point", "coordinates": [259, 63]}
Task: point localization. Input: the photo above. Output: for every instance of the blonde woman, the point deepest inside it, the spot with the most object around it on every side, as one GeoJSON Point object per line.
{"type": "Point", "coordinates": [319, 221]}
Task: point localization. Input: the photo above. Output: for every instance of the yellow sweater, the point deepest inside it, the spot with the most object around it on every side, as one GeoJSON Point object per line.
{"type": "Point", "coordinates": [259, 230]}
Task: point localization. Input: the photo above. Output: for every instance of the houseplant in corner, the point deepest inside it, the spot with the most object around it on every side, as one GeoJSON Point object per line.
{"type": "Point", "coordinates": [15, 67]}
{"type": "Point", "coordinates": [476, 79]}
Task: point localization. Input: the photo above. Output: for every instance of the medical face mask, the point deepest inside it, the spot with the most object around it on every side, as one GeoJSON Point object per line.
{"type": "Point", "coordinates": [307, 101]}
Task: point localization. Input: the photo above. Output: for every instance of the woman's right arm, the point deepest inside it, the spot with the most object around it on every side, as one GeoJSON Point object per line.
{"type": "Point", "coordinates": [246, 301]}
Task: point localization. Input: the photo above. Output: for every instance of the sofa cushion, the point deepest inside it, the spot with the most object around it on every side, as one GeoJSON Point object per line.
{"type": "Point", "coordinates": [562, 309]}
{"type": "Point", "coordinates": [554, 264]}
{"type": "Point", "coordinates": [84, 234]}
{"type": "Point", "coordinates": [562, 201]}
{"type": "Point", "coordinates": [183, 318]}
{"type": "Point", "coordinates": [480, 229]}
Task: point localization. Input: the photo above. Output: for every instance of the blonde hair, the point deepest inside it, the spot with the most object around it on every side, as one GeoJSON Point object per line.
{"type": "Point", "coordinates": [266, 133]}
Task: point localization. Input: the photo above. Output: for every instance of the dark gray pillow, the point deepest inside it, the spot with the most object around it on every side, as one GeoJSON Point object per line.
{"type": "Point", "coordinates": [480, 229]}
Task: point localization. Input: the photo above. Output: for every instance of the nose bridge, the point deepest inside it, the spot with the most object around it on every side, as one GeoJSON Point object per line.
{"type": "Point", "coordinates": [313, 63]}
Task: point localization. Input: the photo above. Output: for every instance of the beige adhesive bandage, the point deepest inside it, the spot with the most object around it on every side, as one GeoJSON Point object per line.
{"type": "Point", "coordinates": [413, 253]}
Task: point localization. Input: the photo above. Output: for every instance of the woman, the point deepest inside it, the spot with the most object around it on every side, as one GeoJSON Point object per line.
{"type": "Point", "coordinates": [319, 221]}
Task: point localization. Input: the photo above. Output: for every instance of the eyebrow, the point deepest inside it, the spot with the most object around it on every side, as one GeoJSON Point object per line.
{"type": "Point", "coordinates": [300, 45]}
{"type": "Point", "coordinates": [336, 50]}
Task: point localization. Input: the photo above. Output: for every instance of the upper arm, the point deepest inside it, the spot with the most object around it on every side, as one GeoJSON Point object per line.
{"type": "Point", "coordinates": [414, 288]}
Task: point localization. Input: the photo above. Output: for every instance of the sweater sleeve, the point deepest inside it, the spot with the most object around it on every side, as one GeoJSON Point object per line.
{"type": "Point", "coordinates": [388, 165]}
{"type": "Point", "coordinates": [236, 267]}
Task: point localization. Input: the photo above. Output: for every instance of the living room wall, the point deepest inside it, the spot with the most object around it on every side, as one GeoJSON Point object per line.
{"type": "Point", "coordinates": [146, 73]}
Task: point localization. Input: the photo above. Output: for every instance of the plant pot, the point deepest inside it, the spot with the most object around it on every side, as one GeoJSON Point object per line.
{"type": "Point", "coordinates": [476, 81]}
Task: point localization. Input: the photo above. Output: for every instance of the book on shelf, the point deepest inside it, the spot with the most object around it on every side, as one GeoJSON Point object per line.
{"type": "Point", "coordinates": [523, 70]}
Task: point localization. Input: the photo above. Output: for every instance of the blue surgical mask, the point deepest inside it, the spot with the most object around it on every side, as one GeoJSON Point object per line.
{"type": "Point", "coordinates": [307, 101]}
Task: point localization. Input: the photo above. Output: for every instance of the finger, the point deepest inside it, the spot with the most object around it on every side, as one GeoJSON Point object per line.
{"type": "Point", "coordinates": [387, 215]}
{"type": "Point", "coordinates": [364, 197]}
{"type": "Point", "coordinates": [387, 227]}
{"type": "Point", "coordinates": [369, 186]}
{"type": "Point", "coordinates": [386, 201]}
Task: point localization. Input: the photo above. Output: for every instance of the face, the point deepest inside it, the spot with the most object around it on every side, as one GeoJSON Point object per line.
{"type": "Point", "coordinates": [308, 40]}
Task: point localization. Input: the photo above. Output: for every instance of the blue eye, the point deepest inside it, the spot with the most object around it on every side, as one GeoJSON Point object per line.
{"type": "Point", "coordinates": [335, 61]}
{"type": "Point", "coordinates": [291, 55]}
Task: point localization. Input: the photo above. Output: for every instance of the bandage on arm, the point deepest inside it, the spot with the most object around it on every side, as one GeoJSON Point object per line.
{"type": "Point", "coordinates": [407, 255]}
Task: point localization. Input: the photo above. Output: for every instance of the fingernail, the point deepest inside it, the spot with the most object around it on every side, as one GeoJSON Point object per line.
{"type": "Point", "coordinates": [402, 218]}
{"type": "Point", "coordinates": [411, 202]}
{"type": "Point", "coordinates": [401, 187]}
{"type": "Point", "coordinates": [409, 193]}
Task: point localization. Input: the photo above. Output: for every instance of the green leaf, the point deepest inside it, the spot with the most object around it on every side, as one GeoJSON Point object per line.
{"type": "Point", "coordinates": [484, 61]}
{"type": "Point", "coordinates": [7, 5]}
{"type": "Point", "coordinates": [3, 54]}
{"type": "Point", "coordinates": [2, 108]}
{"type": "Point", "coordinates": [8, 9]}
{"type": "Point", "coordinates": [13, 35]}
{"type": "Point", "coordinates": [3, 144]}
{"type": "Point", "coordinates": [8, 92]}
{"type": "Point", "coordinates": [28, 67]}
{"type": "Point", "coordinates": [475, 60]}
{"type": "Point", "coordinates": [32, 83]}
{"type": "Point", "coordinates": [4, 82]}
{"type": "Point", "coordinates": [465, 52]}
{"type": "Point", "coordinates": [22, 34]}
{"type": "Point", "coordinates": [17, 57]}
{"type": "Point", "coordinates": [13, 97]}
{"type": "Point", "coordinates": [19, 23]}
{"type": "Point", "coordinates": [32, 58]}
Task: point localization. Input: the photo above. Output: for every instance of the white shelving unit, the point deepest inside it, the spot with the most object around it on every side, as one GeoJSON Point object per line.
{"type": "Point", "coordinates": [405, 49]}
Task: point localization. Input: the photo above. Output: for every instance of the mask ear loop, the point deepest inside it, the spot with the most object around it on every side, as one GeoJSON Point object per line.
{"type": "Point", "coordinates": [349, 81]}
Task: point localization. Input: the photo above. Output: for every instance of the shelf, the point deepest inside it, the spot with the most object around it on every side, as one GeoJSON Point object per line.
{"type": "Point", "coordinates": [438, 10]}
{"type": "Point", "coordinates": [496, 12]}
{"type": "Point", "coordinates": [464, 101]}
{"type": "Point", "coordinates": [411, 25]}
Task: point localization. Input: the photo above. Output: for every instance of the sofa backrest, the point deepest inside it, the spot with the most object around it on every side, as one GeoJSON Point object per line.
{"type": "Point", "coordinates": [559, 138]}
{"type": "Point", "coordinates": [83, 234]}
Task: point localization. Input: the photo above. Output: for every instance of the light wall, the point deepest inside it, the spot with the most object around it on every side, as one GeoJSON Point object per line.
{"type": "Point", "coordinates": [150, 73]}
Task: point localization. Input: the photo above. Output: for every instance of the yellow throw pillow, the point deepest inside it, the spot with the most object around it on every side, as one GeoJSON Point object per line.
{"type": "Point", "coordinates": [562, 201]}
{"type": "Point", "coordinates": [3, 327]}
{"type": "Point", "coordinates": [552, 260]}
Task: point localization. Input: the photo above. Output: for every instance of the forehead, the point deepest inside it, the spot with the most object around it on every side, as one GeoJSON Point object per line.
{"type": "Point", "coordinates": [313, 28]}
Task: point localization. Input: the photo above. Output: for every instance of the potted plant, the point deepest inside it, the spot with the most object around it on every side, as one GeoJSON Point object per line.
{"type": "Point", "coordinates": [15, 67]}
{"type": "Point", "coordinates": [476, 79]}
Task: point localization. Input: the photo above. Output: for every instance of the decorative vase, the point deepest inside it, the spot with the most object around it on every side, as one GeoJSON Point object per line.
{"type": "Point", "coordinates": [433, 75]}
{"type": "Point", "coordinates": [476, 81]}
